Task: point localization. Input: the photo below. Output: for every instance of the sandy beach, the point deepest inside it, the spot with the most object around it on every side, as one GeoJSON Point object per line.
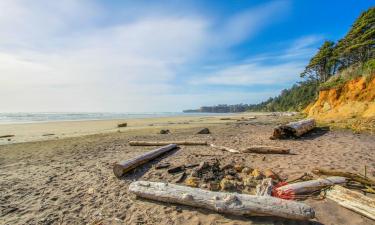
{"type": "Point", "coordinates": [67, 177]}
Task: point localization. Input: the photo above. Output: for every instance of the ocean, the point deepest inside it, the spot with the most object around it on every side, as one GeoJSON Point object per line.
{"type": "Point", "coordinates": [11, 118]}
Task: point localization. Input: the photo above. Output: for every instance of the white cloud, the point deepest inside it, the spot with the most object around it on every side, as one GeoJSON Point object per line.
{"type": "Point", "coordinates": [69, 56]}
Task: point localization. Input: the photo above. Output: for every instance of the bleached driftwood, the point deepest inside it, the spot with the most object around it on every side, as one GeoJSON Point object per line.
{"type": "Point", "coordinates": [295, 129]}
{"type": "Point", "coordinates": [222, 202]}
{"type": "Point", "coordinates": [125, 166]}
{"type": "Point", "coordinates": [352, 200]}
{"type": "Point", "coordinates": [224, 148]}
{"type": "Point", "coordinates": [162, 143]}
{"type": "Point", "coordinates": [352, 176]}
{"type": "Point", "coordinates": [264, 188]}
{"type": "Point", "coordinates": [310, 186]}
{"type": "Point", "coordinates": [262, 149]}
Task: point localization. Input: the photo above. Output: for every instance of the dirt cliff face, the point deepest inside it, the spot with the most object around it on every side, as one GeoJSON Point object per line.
{"type": "Point", "coordinates": [353, 102]}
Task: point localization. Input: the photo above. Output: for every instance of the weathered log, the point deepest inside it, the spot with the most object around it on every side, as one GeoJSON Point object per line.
{"type": "Point", "coordinates": [162, 143]}
{"type": "Point", "coordinates": [262, 149]}
{"type": "Point", "coordinates": [352, 200]}
{"type": "Point", "coordinates": [224, 148]}
{"type": "Point", "coordinates": [7, 136]}
{"type": "Point", "coordinates": [222, 202]}
{"type": "Point", "coordinates": [264, 188]}
{"type": "Point", "coordinates": [352, 176]}
{"type": "Point", "coordinates": [293, 129]}
{"type": "Point", "coordinates": [125, 166]}
{"type": "Point", "coordinates": [309, 186]}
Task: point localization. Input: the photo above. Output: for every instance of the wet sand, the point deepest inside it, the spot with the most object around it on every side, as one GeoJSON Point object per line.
{"type": "Point", "coordinates": [70, 180]}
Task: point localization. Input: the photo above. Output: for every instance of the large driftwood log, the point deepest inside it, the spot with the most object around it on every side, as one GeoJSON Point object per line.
{"type": "Point", "coordinates": [352, 200]}
{"type": "Point", "coordinates": [224, 148]}
{"type": "Point", "coordinates": [262, 149]}
{"type": "Point", "coordinates": [162, 143]}
{"type": "Point", "coordinates": [125, 166]}
{"type": "Point", "coordinates": [310, 186]}
{"type": "Point", "coordinates": [352, 176]}
{"type": "Point", "coordinates": [293, 129]}
{"type": "Point", "coordinates": [237, 204]}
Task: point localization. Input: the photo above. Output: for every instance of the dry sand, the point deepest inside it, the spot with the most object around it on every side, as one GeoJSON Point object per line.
{"type": "Point", "coordinates": [70, 180]}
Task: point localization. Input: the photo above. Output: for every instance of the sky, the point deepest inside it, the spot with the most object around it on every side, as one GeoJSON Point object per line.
{"type": "Point", "coordinates": [158, 56]}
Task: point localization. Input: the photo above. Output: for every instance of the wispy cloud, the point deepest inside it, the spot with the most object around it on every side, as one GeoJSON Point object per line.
{"type": "Point", "coordinates": [70, 56]}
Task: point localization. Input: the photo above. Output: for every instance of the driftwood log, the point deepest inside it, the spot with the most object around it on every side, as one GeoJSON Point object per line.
{"type": "Point", "coordinates": [352, 176]}
{"type": "Point", "coordinates": [125, 166]}
{"type": "Point", "coordinates": [231, 203]}
{"type": "Point", "coordinates": [309, 186]}
{"type": "Point", "coordinates": [224, 148]}
{"type": "Point", "coordinates": [162, 143]}
{"type": "Point", "coordinates": [262, 149]}
{"type": "Point", "coordinates": [293, 129]}
{"type": "Point", "coordinates": [352, 200]}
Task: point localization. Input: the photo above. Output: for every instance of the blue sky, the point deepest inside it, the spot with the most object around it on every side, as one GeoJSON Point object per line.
{"type": "Point", "coordinates": [149, 56]}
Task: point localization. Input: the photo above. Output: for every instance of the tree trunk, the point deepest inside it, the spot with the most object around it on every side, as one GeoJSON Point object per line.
{"type": "Point", "coordinates": [293, 129]}
{"type": "Point", "coordinates": [231, 203]}
{"type": "Point", "coordinates": [162, 143]}
{"type": "Point", "coordinates": [125, 166]}
{"type": "Point", "coordinates": [266, 150]}
{"type": "Point", "coordinates": [309, 186]}
{"type": "Point", "coordinates": [352, 200]}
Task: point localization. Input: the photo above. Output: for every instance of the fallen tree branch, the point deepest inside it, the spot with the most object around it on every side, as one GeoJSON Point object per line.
{"type": "Point", "coordinates": [125, 166]}
{"type": "Point", "coordinates": [352, 200]}
{"type": "Point", "coordinates": [222, 202]}
{"type": "Point", "coordinates": [309, 186]}
{"type": "Point", "coordinates": [262, 149]}
{"type": "Point", "coordinates": [162, 143]}
{"type": "Point", "coordinates": [352, 176]}
{"type": "Point", "coordinates": [224, 148]}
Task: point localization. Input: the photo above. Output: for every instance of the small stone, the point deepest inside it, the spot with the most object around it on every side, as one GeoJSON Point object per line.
{"type": "Point", "coordinates": [204, 131]}
{"type": "Point", "coordinates": [90, 191]}
{"type": "Point", "coordinates": [122, 125]}
{"type": "Point", "coordinates": [164, 131]}
{"type": "Point", "coordinates": [192, 181]}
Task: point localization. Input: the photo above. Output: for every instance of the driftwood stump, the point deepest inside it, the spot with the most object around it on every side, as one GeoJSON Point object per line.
{"type": "Point", "coordinates": [293, 129]}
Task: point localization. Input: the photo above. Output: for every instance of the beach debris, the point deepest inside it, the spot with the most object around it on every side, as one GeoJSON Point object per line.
{"type": "Point", "coordinates": [7, 136]}
{"type": "Point", "coordinates": [252, 118]}
{"type": "Point", "coordinates": [222, 202]}
{"type": "Point", "coordinates": [122, 125]}
{"type": "Point", "coordinates": [204, 131]}
{"type": "Point", "coordinates": [263, 149]}
{"type": "Point", "coordinates": [351, 176]}
{"type": "Point", "coordinates": [208, 171]}
{"type": "Point", "coordinates": [293, 129]}
{"type": "Point", "coordinates": [308, 186]}
{"type": "Point", "coordinates": [268, 173]}
{"type": "Point", "coordinates": [257, 174]}
{"type": "Point", "coordinates": [162, 143]}
{"type": "Point", "coordinates": [125, 166]}
{"type": "Point", "coordinates": [192, 181]}
{"type": "Point", "coordinates": [164, 131]}
{"type": "Point", "coordinates": [264, 188]}
{"type": "Point", "coordinates": [162, 166]}
{"type": "Point", "coordinates": [45, 135]}
{"type": "Point", "coordinates": [352, 200]}
{"type": "Point", "coordinates": [226, 118]}
{"type": "Point", "coordinates": [180, 178]}
{"type": "Point", "coordinates": [224, 148]}
{"type": "Point", "coordinates": [191, 165]}
{"type": "Point", "coordinates": [176, 169]}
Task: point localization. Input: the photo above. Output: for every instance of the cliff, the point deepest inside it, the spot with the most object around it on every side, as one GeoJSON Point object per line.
{"type": "Point", "coordinates": [352, 104]}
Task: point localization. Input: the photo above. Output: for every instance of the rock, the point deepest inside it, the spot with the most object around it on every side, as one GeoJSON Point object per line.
{"type": "Point", "coordinates": [246, 170]}
{"type": "Point", "coordinates": [122, 125]}
{"type": "Point", "coordinates": [204, 131]}
{"type": "Point", "coordinates": [238, 168]}
{"type": "Point", "coordinates": [164, 132]}
{"type": "Point", "coordinates": [257, 174]}
{"type": "Point", "coordinates": [192, 182]}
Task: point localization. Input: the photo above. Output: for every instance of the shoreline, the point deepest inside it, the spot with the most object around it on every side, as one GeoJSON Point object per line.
{"type": "Point", "coordinates": [50, 130]}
